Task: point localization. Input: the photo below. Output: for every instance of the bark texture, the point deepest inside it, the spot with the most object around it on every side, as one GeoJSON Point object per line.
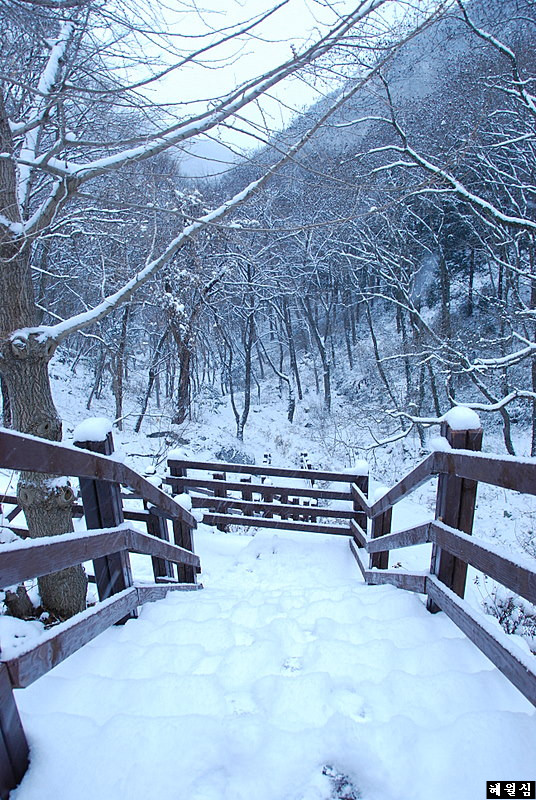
{"type": "Point", "coordinates": [24, 358]}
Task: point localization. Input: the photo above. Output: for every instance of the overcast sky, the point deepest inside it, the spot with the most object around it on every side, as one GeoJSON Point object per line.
{"type": "Point", "coordinates": [272, 42]}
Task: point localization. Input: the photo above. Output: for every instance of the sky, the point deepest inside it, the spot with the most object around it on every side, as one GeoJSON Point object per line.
{"type": "Point", "coordinates": [293, 26]}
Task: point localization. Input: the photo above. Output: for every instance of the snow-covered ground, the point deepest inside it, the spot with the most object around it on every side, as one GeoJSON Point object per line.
{"type": "Point", "coordinates": [286, 678]}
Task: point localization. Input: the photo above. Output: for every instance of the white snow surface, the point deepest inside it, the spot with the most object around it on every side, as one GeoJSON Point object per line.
{"type": "Point", "coordinates": [285, 670]}
{"type": "Point", "coordinates": [360, 467]}
{"type": "Point", "coordinates": [93, 429]}
{"type": "Point", "coordinates": [461, 418]}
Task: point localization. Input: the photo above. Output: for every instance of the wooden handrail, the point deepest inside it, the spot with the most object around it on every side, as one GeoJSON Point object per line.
{"type": "Point", "coordinates": [277, 524]}
{"type": "Point", "coordinates": [23, 452]}
{"type": "Point", "coordinates": [225, 503]}
{"type": "Point", "coordinates": [517, 574]}
{"type": "Point", "coordinates": [420, 534]}
{"type": "Point", "coordinates": [66, 638]}
{"type": "Point", "coordinates": [253, 469]}
{"type": "Point", "coordinates": [507, 472]}
{"type": "Point", "coordinates": [510, 659]}
{"type": "Point", "coordinates": [32, 558]}
{"type": "Point", "coordinates": [260, 488]}
{"type": "Point", "coordinates": [409, 483]}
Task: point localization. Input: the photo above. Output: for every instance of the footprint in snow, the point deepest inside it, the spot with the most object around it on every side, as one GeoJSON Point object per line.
{"type": "Point", "coordinates": [292, 664]}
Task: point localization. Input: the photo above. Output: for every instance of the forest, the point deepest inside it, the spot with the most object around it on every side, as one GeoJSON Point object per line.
{"type": "Point", "coordinates": [378, 247]}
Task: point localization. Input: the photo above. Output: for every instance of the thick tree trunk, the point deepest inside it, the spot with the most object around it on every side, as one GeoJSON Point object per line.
{"type": "Point", "coordinates": [46, 500]}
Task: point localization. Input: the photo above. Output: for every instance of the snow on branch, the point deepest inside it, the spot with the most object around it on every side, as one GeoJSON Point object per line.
{"type": "Point", "coordinates": [45, 87]}
{"type": "Point", "coordinates": [76, 323]}
{"type": "Point", "coordinates": [459, 418]}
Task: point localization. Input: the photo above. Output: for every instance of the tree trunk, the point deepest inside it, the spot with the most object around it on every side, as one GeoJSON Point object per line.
{"type": "Point", "coordinates": [119, 371]}
{"type": "Point", "coordinates": [183, 400]}
{"type": "Point", "coordinates": [24, 358]}
{"type": "Point", "coordinates": [6, 405]}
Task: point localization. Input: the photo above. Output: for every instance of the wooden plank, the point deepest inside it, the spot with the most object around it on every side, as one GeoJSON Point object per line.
{"type": "Point", "coordinates": [65, 639]}
{"type": "Point", "coordinates": [141, 516]}
{"type": "Point", "coordinates": [507, 472]}
{"type": "Point", "coordinates": [381, 525]}
{"type": "Point", "coordinates": [13, 744]}
{"type": "Point", "coordinates": [253, 469]}
{"type": "Point", "coordinates": [279, 524]}
{"type": "Point", "coordinates": [152, 593]}
{"type": "Point", "coordinates": [359, 534]}
{"type": "Point", "coordinates": [359, 499]}
{"type": "Point", "coordinates": [24, 452]}
{"type": "Point", "coordinates": [455, 506]}
{"type": "Point", "coordinates": [402, 580]}
{"type": "Point", "coordinates": [408, 484]}
{"type": "Point", "coordinates": [149, 545]}
{"type": "Point", "coordinates": [182, 533]}
{"type": "Point", "coordinates": [281, 509]}
{"type": "Point", "coordinates": [410, 581]}
{"type": "Point", "coordinates": [35, 557]}
{"type": "Point", "coordinates": [517, 666]}
{"type": "Point", "coordinates": [103, 508]}
{"type": "Point", "coordinates": [357, 555]}
{"type": "Point", "coordinates": [361, 485]}
{"type": "Point", "coordinates": [7, 776]}
{"type": "Point", "coordinates": [487, 558]}
{"type": "Point", "coordinates": [392, 541]}
{"type": "Point", "coordinates": [261, 488]}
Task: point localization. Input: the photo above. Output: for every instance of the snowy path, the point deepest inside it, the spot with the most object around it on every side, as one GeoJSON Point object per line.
{"type": "Point", "coordinates": [285, 679]}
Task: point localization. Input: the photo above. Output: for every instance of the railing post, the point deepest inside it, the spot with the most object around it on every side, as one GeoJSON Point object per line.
{"type": "Point", "coordinates": [247, 494]}
{"type": "Point", "coordinates": [455, 504]}
{"type": "Point", "coordinates": [13, 744]}
{"type": "Point", "coordinates": [381, 524]}
{"type": "Point", "coordinates": [182, 533]}
{"type": "Point", "coordinates": [268, 497]}
{"type": "Point", "coordinates": [220, 476]}
{"type": "Point", "coordinates": [283, 498]}
{"type": "Point", "coordinates": [178, 472]}
{"type": "Point", "coordinates": [157, 526]}
{"type": "Point", "coordinates": [103, 509]}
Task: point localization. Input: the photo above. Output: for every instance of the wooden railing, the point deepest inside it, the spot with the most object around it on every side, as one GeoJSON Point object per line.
{"type": "Point", "coordinates": [454, 548]}
{"type": "Point", "coordinates": [267, 505]}
{"type": "Point", "coordinates": [107, 543]}
{"type": "Point", "coordinates": [297, 505]}
{"type": "Point", "coordinates": [279, 505]}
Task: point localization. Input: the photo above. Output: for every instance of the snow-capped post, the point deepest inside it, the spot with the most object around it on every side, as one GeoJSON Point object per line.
{"type": "Point", "coordinates": [381, 524]}
{"type": "Point", "coordinates": [13, 744]}
{"type": "Point", "coordinates": [103, 509]}
{"type": "Point", "coordinates": [456, 498]}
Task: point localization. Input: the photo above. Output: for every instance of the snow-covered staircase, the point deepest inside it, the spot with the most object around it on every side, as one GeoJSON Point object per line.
{"type": "Point", "coordinates": [287, 678]}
